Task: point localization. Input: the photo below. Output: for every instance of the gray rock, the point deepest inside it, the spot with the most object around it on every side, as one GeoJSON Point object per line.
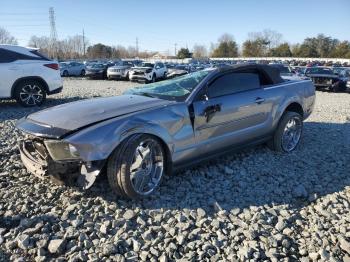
{"type": "Point", "coordinates": [228, 170]}
{"type": "Point", "coordinates": [109, 249]}
{"type": "Point", "coordinates": [201, 212]}
{"type": "Point", "coordinates": [23, 241]}
{"type": "Point", "coordinates": [57, 246]}
{"type": "Point", "coordinates": [129, 214]}
{"type": "Point", "coordinates": [344, 245]}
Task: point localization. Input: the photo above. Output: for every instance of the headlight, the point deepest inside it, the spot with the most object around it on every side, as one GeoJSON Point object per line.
{"type": "Point", "coordinates": [60, 150]}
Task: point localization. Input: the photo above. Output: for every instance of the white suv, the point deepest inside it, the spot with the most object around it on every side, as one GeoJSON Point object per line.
{"type": "Point", "coordinates": [148, 72]}
{"type": "Point", "coordinates": [27, 76]}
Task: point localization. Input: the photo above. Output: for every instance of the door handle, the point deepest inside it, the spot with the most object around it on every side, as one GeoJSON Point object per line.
{"type": "Point", "coordinates": [211, 110]}
{"type": "Point", "coordinates": [259, 100]}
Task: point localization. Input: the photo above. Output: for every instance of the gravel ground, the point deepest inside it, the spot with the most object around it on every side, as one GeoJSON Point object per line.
{"type": "Point", "coordinates": [256, 204]}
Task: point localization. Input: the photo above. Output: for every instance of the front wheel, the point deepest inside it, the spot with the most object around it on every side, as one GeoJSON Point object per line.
{"type": "Point", "coordinates": [29, 93]}
{"type": "Point", "coordinates": [136, 167]}
{"type": "Point", "coordinates": [288, 133]}
{"type": "Point", "coordinates": [82, 73]}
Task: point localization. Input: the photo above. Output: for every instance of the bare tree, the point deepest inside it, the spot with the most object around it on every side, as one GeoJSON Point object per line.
{"type": "Point", "coordinates": [199, 51]}
{"type": "Point", "coordinates": [225, 38]}
{"type": "Point", "coordinates": [6, 37]}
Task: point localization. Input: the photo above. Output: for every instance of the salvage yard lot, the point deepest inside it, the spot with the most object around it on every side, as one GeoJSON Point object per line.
{"type": "Point", "coordinates": [255, 204]}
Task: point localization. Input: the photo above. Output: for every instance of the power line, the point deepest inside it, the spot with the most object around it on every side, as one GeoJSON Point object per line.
{"type": "Point", "coordinates": [137, 46]}
{"type": "Point", "coordinates": [84, 42]}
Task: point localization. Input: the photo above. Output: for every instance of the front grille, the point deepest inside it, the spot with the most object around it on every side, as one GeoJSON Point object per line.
{"type": "Point", "coordinates": [322, 81]}
{"type": "Point", "coordinates": [139, 73]}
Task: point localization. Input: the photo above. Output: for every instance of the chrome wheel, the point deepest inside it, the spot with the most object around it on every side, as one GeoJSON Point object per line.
{"type": "Point", "coordinates": [147, 167]}
{"type": "Point", "coordinates": [291, 134]}
{"type": "Point", "coordinates": [31, 95]}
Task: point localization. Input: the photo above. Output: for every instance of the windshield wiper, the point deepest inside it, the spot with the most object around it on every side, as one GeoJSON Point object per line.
{"type": "Point", "coordinates": [146, 94]}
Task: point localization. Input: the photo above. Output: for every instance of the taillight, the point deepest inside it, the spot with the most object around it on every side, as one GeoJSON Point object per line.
{"type": "Point", "coordinates": [52, 66]}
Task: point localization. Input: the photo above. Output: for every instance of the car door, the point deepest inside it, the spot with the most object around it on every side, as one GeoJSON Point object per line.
{"type": "Point", "coordinates": [10, 71]}
{"type": "Point", "coordinates": [74, 68]}
{"type": "Point", "coordinates": [232, 111]}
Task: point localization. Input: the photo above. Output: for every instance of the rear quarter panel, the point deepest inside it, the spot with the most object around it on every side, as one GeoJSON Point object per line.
{"type": "Point", "coordinates": [284, 94]}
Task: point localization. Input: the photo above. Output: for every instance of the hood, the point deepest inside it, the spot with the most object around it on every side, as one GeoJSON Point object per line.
{"type": "Point", "coordinates": [322, 75]}
{"type": "Point", "coordinates": [119, 67]}
{"type": "Point", "coordinates": [58, 120]}
{"type": "Point", "coordinates": [139, 68]}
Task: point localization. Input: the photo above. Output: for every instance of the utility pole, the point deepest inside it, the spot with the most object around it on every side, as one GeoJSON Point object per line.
{"type": "Point", "coordinates": [175, 48]}
{"type": "Point", "coordinates": [53, 33]}
{"type": "Point", "coordinates": [84, 43]}
{"type": "Point", "coordinates": [137, 46]}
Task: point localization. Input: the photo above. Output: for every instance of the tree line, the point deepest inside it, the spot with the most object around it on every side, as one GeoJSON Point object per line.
{"type": "Point", "coordinates": [267, 43]}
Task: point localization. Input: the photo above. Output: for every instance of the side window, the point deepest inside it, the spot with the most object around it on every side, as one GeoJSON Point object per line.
{"type": "Point", "coordinates": [233, 83]}
{"type": "Point", "coordinates": [7, 56]}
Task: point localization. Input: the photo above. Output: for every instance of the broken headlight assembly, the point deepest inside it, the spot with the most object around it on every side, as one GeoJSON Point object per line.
{"type": "Point", "coordinates": [61, 150]}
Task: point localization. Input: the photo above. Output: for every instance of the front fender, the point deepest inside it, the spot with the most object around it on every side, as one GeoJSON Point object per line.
{"type": "Point", "coordinates": [97, 142]}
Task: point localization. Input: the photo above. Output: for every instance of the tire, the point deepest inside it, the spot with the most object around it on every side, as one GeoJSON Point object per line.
{"type": "Point", "coordinates": [164, 76]}
{"type": "Point", "coordinates": [29, 93]}
{"type": "Point", "coordinates": [339, 87]}
{"type": "Point", "coordinates": [154, 78]}
{"type": "Point", "coordinates": [129, 166]}
{"type": "Point", "coordinates": [65, 73]}
{"type": "Point", "coordinates": [281, 135]}
{"type": "Point", "coordinates": [82, 73]}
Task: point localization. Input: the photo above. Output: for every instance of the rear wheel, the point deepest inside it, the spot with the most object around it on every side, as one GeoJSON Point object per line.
{"type": "Point", "coordinates": [30, 93]}
{"type": "Point", "coordinates": [82, 73]}
{"type": "Point", "coordinates": [65, 73]}
{"type": "Point", "coordinates": [136, 167]}
{"type": "Point", "coordinates": [288, 133]}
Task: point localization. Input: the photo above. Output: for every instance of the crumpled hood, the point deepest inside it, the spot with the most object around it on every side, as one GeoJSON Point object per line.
{"type": "Point", "coordinates": [76, 115]}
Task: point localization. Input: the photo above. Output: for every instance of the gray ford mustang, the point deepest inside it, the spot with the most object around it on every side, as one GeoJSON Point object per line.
{"type": "Point", "coordinates": [159, 128]}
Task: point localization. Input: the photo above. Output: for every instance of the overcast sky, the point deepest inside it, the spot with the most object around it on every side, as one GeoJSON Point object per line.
{"type": "Point", "coordinates": [160, 24]}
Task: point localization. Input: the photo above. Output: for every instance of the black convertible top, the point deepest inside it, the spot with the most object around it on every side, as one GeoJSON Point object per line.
{"type": "Point", "coordinates": [269, 74]}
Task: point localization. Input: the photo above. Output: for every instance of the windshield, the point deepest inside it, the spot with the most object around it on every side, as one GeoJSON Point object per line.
{"type": "Point", "coordinates": [319, 70]}
{"type": "Point", "coordinates": [176, 89]}
{"type": "Point", "coordinates": [147, 65]}
{"type": "Point", "coordinates": [97, 66]}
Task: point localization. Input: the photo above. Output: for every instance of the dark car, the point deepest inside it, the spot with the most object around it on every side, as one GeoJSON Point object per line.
{"type": "Point", "coordinates": [326, 78]}
{"type": "Point", "coordinates": [97, 71]}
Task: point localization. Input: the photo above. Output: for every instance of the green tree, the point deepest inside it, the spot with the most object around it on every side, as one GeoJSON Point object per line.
{"type": "Point", "coordinates": [99, 51]}
{"type": "Point", "coordinates": [283, 50]}
{"type": "Point", "coordinates": [320, 46]}
{"type": "Point", "coordinates": [226, 47]}
{"type": "Point", "coordinates": [341, 50]}
{"type": "Point", "coordinates": [253, 48]}
{"type": "Point", "coordinates": [183, 53]}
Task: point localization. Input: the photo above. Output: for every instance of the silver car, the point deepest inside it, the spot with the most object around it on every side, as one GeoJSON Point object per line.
{"type": "Point", "coordinates": [72, 69]}
{"type": "Point", "coordinates": [120, 70]}
{"type": "Point", "coordinates": [163, 127]}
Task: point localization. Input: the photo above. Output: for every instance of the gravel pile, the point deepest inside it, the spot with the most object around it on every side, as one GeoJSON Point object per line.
{"type": "Point", "coordinates": [253, 205]}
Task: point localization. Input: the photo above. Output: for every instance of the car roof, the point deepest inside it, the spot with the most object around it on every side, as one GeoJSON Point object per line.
{"type": "Point", "coordinates": [269, 71]}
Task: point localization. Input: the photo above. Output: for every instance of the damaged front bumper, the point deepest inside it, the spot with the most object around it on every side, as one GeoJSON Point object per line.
{"type": "Point", "coordinates": [36, 158]}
